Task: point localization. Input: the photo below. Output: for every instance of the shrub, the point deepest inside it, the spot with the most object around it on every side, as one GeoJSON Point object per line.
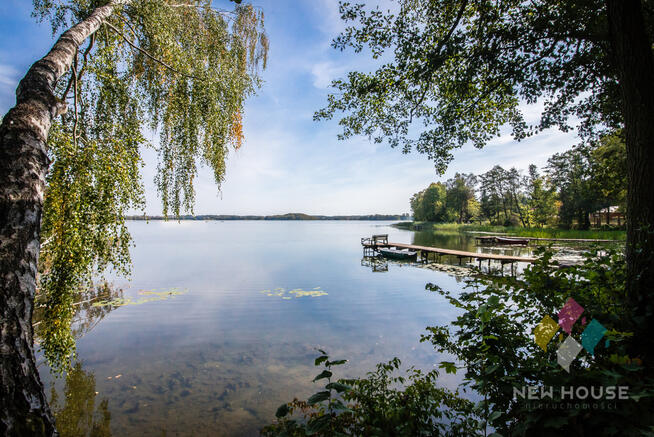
{"type": "Point", "coordinates": [373, 406]}
{"type": "Point", "coordinates": [494, 341]}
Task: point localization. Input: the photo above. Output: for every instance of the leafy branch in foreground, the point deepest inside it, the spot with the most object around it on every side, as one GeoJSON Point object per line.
{"type": "Point", "coordinates": [494, 341]}
{"type": "Point", "coordinates": [456, 72]}
{"type": "Point", "coordinates": [374, 406]}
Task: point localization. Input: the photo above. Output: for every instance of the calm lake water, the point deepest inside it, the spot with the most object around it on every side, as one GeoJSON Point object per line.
{"type": "Point", "coordinates": [222, 321]}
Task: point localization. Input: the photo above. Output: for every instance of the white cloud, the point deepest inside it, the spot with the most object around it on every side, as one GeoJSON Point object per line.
{"type": "Point", "coordinates": [8, 76]}
{"type": "Point", "coordinates": [325, 72]}
{"type": "Point", "coordinates": [8, 83]}
{"type": "Point", "coordinates": [532, 112]}
{"type": "Point", "coordinates": [331, 23]}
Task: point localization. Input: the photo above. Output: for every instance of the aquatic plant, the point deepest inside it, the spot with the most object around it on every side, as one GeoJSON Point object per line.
{"type": "Point", "coordinates": [153, 296]}
{"type": "Point", "coordinates": [296, 292]}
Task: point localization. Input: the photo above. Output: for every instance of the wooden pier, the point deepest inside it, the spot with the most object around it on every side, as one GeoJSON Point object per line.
{"type": "Point", "coordinates": [381, 241]}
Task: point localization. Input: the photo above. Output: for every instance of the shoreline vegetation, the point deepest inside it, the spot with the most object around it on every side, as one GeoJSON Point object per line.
{"type": "Point", "coordinates": [289, 216]}
{"type": "Point", "coordinates": [518, 231]}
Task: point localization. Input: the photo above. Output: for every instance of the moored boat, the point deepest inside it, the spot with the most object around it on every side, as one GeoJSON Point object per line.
{"type": "Point", "coordinates": [506, 240]}
{"type": "Point", "coordinates": [397, 253]}
{"type": "Point", "coordinates": [502, 240]}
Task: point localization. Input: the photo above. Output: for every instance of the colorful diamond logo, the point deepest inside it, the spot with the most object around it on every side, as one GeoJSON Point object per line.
{"type": "Point", "coordinates": [567, 352]}
{"type": "Point", "coordinates": [569, 315]}
{"type": "Point", "coordinates": [569, 348]}
{"type": "Point", "coordinates": [592, 336]}
{"type": "Point", "coordinates": [544, 332]}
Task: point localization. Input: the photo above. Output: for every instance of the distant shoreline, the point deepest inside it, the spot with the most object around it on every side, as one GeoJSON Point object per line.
{"type": "Point", "coordinates": [290, 216]}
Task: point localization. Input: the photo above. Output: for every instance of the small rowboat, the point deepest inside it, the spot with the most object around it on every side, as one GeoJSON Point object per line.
{"type": "Point", "coordinates": [503, 240]}
{"type": "Point", "coordinates": [398, 254]}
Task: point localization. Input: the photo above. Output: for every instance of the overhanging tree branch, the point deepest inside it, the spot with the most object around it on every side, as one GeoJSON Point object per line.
{"type": "Point", "coordinates": [146, 53]}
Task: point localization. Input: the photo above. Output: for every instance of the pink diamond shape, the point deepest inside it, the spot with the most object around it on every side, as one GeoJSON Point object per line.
{"type": "Point", "coordinates": [569, 314]}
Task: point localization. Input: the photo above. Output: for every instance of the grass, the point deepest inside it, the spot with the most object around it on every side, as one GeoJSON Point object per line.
{"type": "Point", "coordinates": [549, 232]}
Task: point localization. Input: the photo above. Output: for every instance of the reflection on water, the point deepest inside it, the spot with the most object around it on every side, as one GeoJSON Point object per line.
{"type": "Point", "coordinates": [375, 263]}
{"type": "Point", "coordinates": [87, 310]}
{"type": "Point", "coordinates": [144, 296]}
{"type": "Point", "coordinates": [466, 241]}
{"type": "Point", "coordinates": [448, 264]}
{"type": "Point", "coordinates": [78, 409]}
{"type": "Point", "coordinates": [219, 357]}
{"type": "Point", "coordinates": [568, 251]}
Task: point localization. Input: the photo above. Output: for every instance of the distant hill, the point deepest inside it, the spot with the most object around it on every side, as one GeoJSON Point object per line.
{"type": "Point", "coordinates": [289, 216]}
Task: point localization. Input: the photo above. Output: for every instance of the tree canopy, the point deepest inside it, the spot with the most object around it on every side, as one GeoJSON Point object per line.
{"type": "Point", "coordinates": [576, 183]}
{"type": "Point", "coordinates": [458, 72]}
{"type": "Point", "coordinates": [452, 201]}
{"type": "Point", "coordinates": [589, 178]}
{"type": "Point", "coordinates": [182, 69]}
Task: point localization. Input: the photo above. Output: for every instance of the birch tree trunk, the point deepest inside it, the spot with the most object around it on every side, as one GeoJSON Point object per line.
{"type": "Point", "coordinates": [23, 167]}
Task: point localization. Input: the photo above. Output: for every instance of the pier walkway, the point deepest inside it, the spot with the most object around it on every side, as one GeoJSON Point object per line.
{"type": "Point", "coordinates": [381, 241]}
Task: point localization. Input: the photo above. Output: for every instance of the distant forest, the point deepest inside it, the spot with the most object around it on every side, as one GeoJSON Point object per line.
{"type": "Point", "coordinates": [290, 216]}
{"type": "Point", "coordinates": [576, 184]}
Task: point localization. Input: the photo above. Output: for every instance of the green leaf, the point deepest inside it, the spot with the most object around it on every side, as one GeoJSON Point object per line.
{"type": "Point", "coordinates": [318, 424]}
{"type": "Point", "coordinates": [338, 405]}
{"type": "Point", "coordinates": [282, 411]}
{"type": "Point", "coordinates": [323, 374]}
{"type": "Point", "coordinates": [448, 366]}
{"type": "Point", "coordinates": [494, 415]}
{"type": "Point", "coordinates": [638, 396]}
{"type": "Point", "coordinates": [318, 397]}
{"type": "Point", "coordinates": [340, 388]}
{"type": "Point", "coordinates": [336, 363]}
{"type": "Point", "coordinates": [321, 359]}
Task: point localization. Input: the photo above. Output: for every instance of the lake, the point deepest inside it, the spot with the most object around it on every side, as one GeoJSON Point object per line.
{"type": "Point", "coordinates": [219, 323]}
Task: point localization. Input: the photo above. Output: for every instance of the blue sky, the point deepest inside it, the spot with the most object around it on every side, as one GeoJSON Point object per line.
{"type": "Point", "coordinates": [288, 162]}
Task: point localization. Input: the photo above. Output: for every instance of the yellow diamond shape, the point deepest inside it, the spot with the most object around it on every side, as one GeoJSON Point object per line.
{"type": "Point", "coordinates": [544, 332]}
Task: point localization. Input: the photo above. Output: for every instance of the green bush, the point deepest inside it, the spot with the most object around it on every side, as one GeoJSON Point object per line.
{"type": "Point", "coordinates": [374, 406]}
{"type": "Point", "coordinates": [494, 341]}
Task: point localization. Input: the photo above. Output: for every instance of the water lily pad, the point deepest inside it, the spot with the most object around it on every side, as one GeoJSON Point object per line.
{"type": "Point", "coordinates": [152, 296]}
{"type": "Point", "coordinates": [296, 292]}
